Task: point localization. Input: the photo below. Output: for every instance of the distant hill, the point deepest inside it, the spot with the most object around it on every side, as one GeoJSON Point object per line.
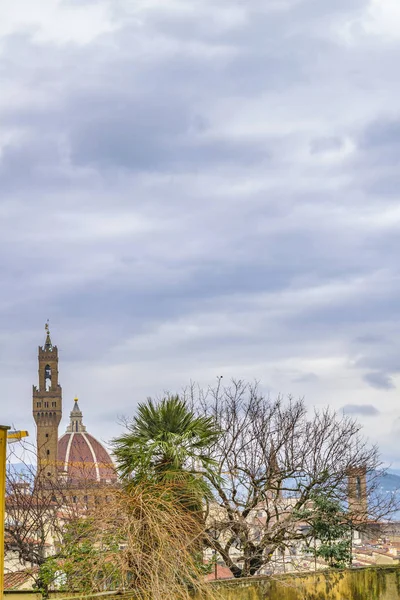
{"type": "Point", "coordinates": [394, 471]}
{"type": "Point", "coordinates": [391, 481]}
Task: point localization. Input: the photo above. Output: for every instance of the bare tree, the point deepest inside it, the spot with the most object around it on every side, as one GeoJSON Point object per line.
{"type": "Point", "coordinates": [273, 460]}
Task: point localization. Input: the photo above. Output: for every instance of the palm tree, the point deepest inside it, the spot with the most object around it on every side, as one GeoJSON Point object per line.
{"type": "Point", "coordinates": [168, 443]}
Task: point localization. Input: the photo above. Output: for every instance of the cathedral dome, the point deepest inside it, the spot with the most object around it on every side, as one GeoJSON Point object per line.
{"type": "Point", "coordinates": [82, 457]}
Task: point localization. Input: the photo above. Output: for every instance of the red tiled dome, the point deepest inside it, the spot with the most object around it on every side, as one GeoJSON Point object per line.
{"type": "Point", "coordinates": [81, 456]}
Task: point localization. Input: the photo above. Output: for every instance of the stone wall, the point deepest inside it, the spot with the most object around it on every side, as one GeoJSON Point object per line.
{"type": "Point", "coordinates": [375, 583]}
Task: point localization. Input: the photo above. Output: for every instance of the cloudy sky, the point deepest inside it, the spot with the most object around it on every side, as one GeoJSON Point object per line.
{"type": "Point", "coordinates": [196, 188]}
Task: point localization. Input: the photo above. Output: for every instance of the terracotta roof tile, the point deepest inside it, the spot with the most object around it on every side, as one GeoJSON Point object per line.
{"type": "Point", "coordinates": [223, 572]}
{"type": "Point", "coordinates": [13, 581]}
{"type": "Point", "coordinates": [81, 456]}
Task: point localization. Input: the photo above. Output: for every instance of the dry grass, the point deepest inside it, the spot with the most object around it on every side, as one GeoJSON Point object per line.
{"type": "Point", "coordinates": [140, 541]}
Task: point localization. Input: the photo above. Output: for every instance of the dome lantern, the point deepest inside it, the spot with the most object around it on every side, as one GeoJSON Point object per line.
{"type": "Point", "coordinates": [75, 419]}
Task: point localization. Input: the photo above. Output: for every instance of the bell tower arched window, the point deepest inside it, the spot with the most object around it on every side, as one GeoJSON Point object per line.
{"type": "Point", "coordinates": [47, 377]}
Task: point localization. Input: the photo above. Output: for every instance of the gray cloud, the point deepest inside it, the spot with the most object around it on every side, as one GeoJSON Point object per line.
{"type": "Point", "coordinates": [382, 133]}
{"type": "Point", "coordinates": [306, 378]}
{"type": "Point", "coordinates": [379, 380]}
{"type": "Point", "coordinates": [197, 192]}
{"type": "Point", "coordinates": [366, 410]}
{"type": "Point", "coordinates": [322, 145]}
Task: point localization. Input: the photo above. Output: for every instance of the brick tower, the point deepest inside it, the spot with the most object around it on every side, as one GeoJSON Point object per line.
{"type": "Point", "coordinates": [357, 493]}
{"type": "Point", "coordinates": [47, 409]}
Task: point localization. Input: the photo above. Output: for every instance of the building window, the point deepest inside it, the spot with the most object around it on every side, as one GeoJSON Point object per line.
{"type": "Point", "coordinates": [46, 405]}
{"type": "Point", "coordinates": [48, 474]}
{"type": "Point", "coordinates": [54, 404]}
{"type": "Point", "coordinates": [47, 452]}
{"type": "Point", "coordinates": [47, 435]}
{"type": "Point", "coordinates": [38, 404]}
{"type": "Point", "coordinates": [85, 498]}
{"type": "Point", "coordinates": [74, 499]}
{"type": "Point", "coordinates": [358, 488]}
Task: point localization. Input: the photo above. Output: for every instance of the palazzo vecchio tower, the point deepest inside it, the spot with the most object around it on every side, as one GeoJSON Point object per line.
{"type": "Point", "coordinates": [47, 409]}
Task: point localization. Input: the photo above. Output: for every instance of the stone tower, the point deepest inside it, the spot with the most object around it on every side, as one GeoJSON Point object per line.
{"type": "Point", "coordinates": [47, 409]}
{"type": "Point", "coordinates": [357, 494]}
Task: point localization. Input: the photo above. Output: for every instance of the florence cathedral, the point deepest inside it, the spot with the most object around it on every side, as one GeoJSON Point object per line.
{"type": "Point", "coordinates": [76, 457]}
